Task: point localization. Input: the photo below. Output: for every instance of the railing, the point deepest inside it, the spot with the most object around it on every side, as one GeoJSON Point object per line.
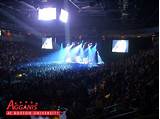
{"type": "Point", "coordinates": [111, 112]}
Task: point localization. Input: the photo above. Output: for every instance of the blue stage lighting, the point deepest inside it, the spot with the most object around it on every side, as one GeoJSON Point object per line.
{"type": "Point", "coordinates": [61, 46]}
{"type": "Point", "coordinates": [85, 60]}
{"type": "Point", "coordinates": [75, 50]}
{"type": "Point", "coordinates": [73, 43]}
{"type": "Point", "coordinates": [68, 47]}
{"type": "Point", "coordinates": [78, 59]}
{"type": "Point", "coordinates": [93, 55]}
{"type": "Point", "coordinates": [84, 45]}
{"type": "Point", "coordinates": [81, 52]}
{"type": "Point", "coordinates": [73, 54]}
{"type": "Point", "coordinates": [96, 45]}
{"type": "Point", "coordinates": [89, 54]}
{"type": "Point", "coordinates": [61, 54]}
{"type": "Point", "coordinates": [68, 60]}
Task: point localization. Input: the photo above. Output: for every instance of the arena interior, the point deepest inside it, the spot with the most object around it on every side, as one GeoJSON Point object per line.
{"type": "Point", "coordinates": [88, 59]}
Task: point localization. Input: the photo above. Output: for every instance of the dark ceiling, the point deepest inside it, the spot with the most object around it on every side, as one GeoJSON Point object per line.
{"type": "Point", "coordinates": [103, 14]}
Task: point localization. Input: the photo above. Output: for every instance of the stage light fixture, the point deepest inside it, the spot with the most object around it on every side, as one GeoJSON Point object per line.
{"type": "Point", "coordinates": [47, 14]}
{"type": "Point", "coordinates": [64, 16]}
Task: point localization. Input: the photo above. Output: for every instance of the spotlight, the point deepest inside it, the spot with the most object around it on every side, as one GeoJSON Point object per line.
{"type": "Point", "coordinates": [68, 44]}
{"type": "Point", "coordinates": [47, 14]}
{"type": "Point", "coordinates": [90, 45]}
{"type": "Point", "coordinates": [68, 47]}
{"type": "Point", "coordinates": [73, 43]}
{"type": "Point", "coordinates": [85, 60]}
{"type": "Point", "coordinates": [68, 60]}
{"type": "Point", "coordinates": [78, 59]}
{"type": "Point", "coordinates": [64, 16]}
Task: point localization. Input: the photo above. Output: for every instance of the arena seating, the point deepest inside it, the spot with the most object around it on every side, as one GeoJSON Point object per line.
{"type": "Point", "coordinates": [123, 88]}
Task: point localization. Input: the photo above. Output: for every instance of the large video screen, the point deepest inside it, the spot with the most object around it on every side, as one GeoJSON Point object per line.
{"type": "Point", "coordinates": [47, 43]}
{"type": "Point", "coordinates": [120, 46]}
{"type": "Point", "coordinates": [47, 14]}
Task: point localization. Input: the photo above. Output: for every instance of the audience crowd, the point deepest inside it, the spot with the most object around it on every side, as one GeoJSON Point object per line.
{"type": "Point", "coordinates": [128, 86]}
